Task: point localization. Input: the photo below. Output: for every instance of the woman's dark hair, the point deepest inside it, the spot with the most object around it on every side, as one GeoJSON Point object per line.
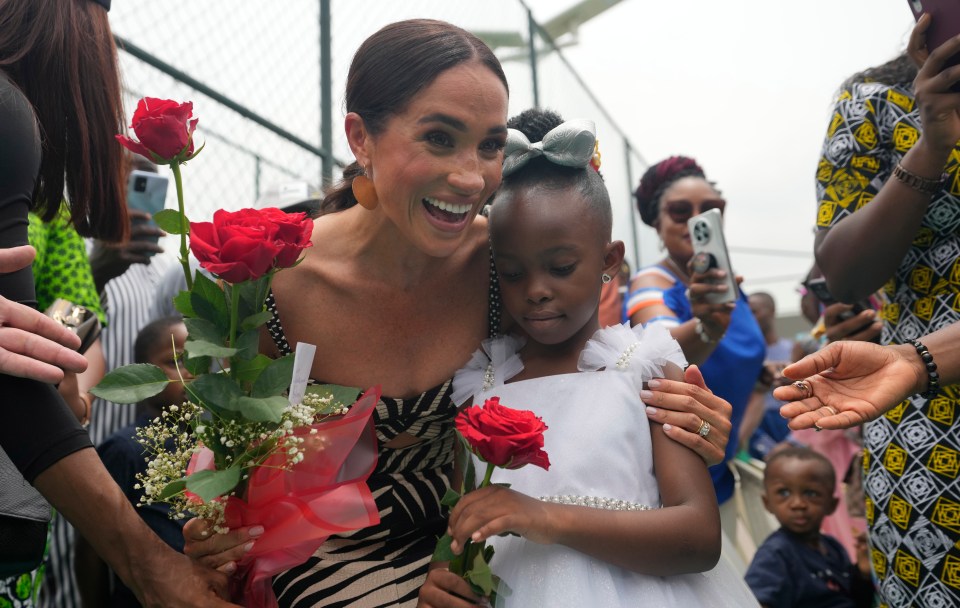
{"type": "Point", "coordinates": [658, 178]}
{"type": "Point", "coordinates": [542, 173]}
{"type": "Point", "coordinates": [898, 71]}
{"type": "Point", "coordinates": [391, 67]}
{"type": "Point", "coordinates": [61, 55]}
{"type": "Point", "coordinates": [152, 334]}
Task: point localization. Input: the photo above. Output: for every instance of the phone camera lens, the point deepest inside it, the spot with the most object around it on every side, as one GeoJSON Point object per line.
{"type": "Point", "coordinates": [701, 232]}
{"type": "Point", "coordinates": [140, 184]}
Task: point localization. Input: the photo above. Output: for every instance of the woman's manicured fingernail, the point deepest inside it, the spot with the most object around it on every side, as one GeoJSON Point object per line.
{"type": "Point", "coordinates": [230, 568]}
{"type": "Point", "coordinates": [255, 531]}
{"type": "Point", "coordinates": [645, 394]}
{"type": "Point", "coordinates": [248, 546]}
{"type": "Point", "coordinates": [667, 427]}
{"type": "Point", "coordinates": [651, 411]}
{"type": "Point", "coordinates": [653, 383]}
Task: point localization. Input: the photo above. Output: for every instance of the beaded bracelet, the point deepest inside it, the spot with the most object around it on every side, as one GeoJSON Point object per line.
{"type": "Point", "coordinates": [933, 378]}
{"type": "Point", "coordinates": [701, 331]}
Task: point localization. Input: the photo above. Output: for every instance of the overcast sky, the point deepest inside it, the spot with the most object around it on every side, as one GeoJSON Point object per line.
{"type": "Point", "coordinates": [744, 86]}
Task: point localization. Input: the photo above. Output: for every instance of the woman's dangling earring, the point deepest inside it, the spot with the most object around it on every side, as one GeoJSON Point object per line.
{"type": "Point", "coordinates": [364, 191]}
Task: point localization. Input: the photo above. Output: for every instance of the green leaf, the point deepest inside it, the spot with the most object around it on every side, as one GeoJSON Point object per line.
{"type": "Point", "coordinates": [263, 409]}
{"type": "Point", "coordinates": [450, 499]}
{"type": "Point", "coordinates": [181, 302]}
{"type": "Point", "coordinates": [275, 379]}
{"type": "Point", "coordinates": [202, 348]}
{"type": "Point", "coordinates": [443, 553]}
{"type": "Point", "coordinates": [209, 302]}
{"type": "Point", "coordinates": [469, 469]}
{"type": "Point", "coordinates": [131, 383]}
{"type": "Point", "coordinates": [169, 221]}
{"type": "Point", "coordinates": [172, 489]}
{"type": "Point", "coordinates": [480, 576]}
{"type": "Point", "coordinates": [256, 320]}
{"type": "Point", "coordinates": [248, 344]}
{"type": "Point", "coordinates": [216, 392]}
{"type": "Point", "coordinates": [205, 331]}
{"type": "Point", "coordinates": [197, 365]}
{"type": "Point", "coordinates": [211, 484]}
{"type": "Point", "coordinates": [342, 394]}
{"type": "Point", "coordinates": [249, 371]}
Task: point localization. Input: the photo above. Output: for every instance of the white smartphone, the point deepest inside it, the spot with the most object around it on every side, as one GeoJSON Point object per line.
{"type": "Point", "coordinates": [147, 192]}
{"type": "Point", "coordinates": [710, 251]}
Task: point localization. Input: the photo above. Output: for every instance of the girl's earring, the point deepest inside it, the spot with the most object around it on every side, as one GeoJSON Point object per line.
{"type": "Point", "coordinates": [364, 191]}
{"type": "Point", "coordinates": [606, 278]}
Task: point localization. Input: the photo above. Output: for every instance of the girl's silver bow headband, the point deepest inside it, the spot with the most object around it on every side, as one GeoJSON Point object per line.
{"type": "Point", "coordinates": [571, 144]}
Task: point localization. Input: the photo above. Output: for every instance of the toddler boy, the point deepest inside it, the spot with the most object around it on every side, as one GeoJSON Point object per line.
{"type": "Point", "coordinates": [797, 566]}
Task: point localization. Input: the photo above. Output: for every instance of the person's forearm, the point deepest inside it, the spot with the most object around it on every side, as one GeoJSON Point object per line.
{"type": "Point", "coordinates": [861, 252]}
{"type": "Point", "coordinates": [80, 488]}
{"type": "Point", "coordinates": [694, 348]}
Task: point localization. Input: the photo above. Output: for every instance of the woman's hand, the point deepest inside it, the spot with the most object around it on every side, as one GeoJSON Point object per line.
{"type": "Point", "coordinates": [681, 406]}
{"type": "Point", "coordinates": [849, 383]}
{"type": "Point", "coordinates": [939, 106]}
{"type": "Point", "coordinates": [864, 326]}
{"type": "Point", "coordinates": [494, 510]}
{"type": "Point", "coordinates": [715, 317]}
{"type": "Point", "coordinates": [444, 589]}
{"type": "Point", "coordinates": [217, 551]}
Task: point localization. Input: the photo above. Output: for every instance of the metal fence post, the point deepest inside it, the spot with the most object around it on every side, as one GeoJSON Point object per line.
{"type": "Point", "coordinates": [532, 42]}
{"type": "Point", "coordinates": [627, 152]}
{"type": "Point", "coordinates": [326, 103]}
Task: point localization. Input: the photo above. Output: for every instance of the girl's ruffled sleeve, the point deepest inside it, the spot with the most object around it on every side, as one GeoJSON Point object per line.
{"type": "Point", "coordinates": [641, 351]}
{"type": "Point", "coordinates": [496, 361]}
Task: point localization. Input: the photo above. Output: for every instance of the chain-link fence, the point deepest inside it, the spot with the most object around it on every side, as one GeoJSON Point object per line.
{"type": "Point", "coordinates": [263, 77]}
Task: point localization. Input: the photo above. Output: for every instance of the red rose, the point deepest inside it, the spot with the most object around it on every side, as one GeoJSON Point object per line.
{"type": "Point", "coordinates": [293, 234]}
{"type": "Point", "coordinates": [164, 128]}
{"type": "Point", "coordinates": [237, 246]}
{"type": "Point", "coordinates": [502, 436]}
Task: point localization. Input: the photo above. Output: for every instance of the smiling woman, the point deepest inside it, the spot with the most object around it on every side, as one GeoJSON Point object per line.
{"type": "Point", "coordinates": [397, 292]}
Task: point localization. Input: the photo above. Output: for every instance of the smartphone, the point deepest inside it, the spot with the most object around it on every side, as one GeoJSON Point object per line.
{"type": "Point", "coordinates": [818, 287]}
{"type": "Point", "coordinates": [710, 251]}
{"type": "Point", "coordinates": [944, 24]}
{"type": "Point", "coordinates": [147, 192]}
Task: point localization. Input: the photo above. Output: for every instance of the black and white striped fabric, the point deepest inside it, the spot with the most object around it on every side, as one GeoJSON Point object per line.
{"type": "Point", "coordinates": [128, 300]}
{"type": "Point", "coordinates": [385, 565]}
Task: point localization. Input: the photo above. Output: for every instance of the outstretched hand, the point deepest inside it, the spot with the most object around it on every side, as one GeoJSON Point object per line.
{"type": "Point", "coordinates": [849, 383]}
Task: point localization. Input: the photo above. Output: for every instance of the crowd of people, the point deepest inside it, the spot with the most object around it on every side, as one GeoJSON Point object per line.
{"type": "Point", "coordinates": [458, 229]}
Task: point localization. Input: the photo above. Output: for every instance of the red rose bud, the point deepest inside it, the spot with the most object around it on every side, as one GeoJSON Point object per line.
{"type": "Point", "coordinates": [293, 234]}
{"type": "Point", "coordinates": [237, 246]}
{"type": "Point", "coordinates": [165, 130]}
{"type": "Point", "coordinates": [502, 436]}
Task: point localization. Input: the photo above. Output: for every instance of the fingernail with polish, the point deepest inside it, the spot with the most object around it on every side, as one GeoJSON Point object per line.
{"type": "Point", "coordinates": [667, 427]}
{"type": "Point", "coordinates": [248, 546]}
{"type": "Point", "coordinates": [653, 383]}
{"type": "Point", "coordinates": [651, 411]}
{"type": "Point", "coordinates": [230, 568]}
{"type": "Point", "coordinates": [645, 394]}
{"type": "Point", "coordinates": [255, 531]}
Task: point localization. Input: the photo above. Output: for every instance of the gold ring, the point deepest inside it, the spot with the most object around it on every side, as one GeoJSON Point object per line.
{"type": "Point", "coordinates": [805, 387]}
{"type": "Point", "coordinates": [704, 428]}
{"type": "Point", "coordinates": [833, 410]}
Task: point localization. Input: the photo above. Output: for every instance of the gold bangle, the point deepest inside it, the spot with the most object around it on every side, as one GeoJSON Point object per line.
{"type": "Point", "coordinates": [87, 410]}
{"type": "Point", "coordinates": [918, 183]}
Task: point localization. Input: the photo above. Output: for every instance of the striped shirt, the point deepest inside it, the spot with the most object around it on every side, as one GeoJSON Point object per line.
{"type": "Point", "coordinates": [646, 297]}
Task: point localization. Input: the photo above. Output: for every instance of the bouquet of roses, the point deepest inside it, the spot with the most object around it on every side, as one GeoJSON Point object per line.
{"type": "Point", "coordinates": [253, 444]}
{"type": "Point", "coordinates": [500, 437]}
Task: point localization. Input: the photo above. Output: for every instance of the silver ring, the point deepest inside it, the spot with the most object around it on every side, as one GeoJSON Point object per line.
{"type": "Point", "coordinates": [833, 410]}
{"type": "Point", "coordinates": [704, 429]}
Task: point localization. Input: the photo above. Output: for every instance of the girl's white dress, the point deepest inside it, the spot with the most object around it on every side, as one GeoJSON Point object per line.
{"type": "Point", "coordinates": [598, 441]}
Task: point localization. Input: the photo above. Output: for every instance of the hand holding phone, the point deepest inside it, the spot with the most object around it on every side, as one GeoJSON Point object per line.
{"type": "Point", "coordinates": [710, 251]}
{"type": "Point", "coordinates": [944, 25]}
{"type": "Point", "coordinates": [146, 194]}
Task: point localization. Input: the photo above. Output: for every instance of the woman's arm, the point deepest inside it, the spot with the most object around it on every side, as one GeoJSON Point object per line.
{"type": "Point", "coordinates": [860, 253]}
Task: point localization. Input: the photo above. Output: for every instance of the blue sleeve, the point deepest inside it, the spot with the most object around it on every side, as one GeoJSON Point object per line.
{"type": "Point", "coordinates": [769, 577]}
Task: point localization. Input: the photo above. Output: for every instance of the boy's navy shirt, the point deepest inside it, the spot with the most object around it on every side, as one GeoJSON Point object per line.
{"type": "Point", "coordinates": [787, 573]}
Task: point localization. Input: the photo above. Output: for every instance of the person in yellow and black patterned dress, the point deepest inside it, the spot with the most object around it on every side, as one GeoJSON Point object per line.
{"type": "Point", "coordinates": [889, 215]}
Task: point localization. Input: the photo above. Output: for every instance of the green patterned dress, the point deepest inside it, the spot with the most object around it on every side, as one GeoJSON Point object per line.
{"type": "Point", "coordinates": [912, 454]}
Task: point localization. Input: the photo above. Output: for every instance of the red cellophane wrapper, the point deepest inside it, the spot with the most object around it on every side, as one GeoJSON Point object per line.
{"type": "Point", "coordinates": [301, 507]}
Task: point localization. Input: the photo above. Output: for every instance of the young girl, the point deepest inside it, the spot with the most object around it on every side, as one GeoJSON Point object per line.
{"type": "Point", "coordinates": [652, 513]}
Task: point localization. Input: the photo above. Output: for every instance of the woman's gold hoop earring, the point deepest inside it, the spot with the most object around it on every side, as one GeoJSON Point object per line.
{"type": "Point", "coordinates": [364, 191]}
